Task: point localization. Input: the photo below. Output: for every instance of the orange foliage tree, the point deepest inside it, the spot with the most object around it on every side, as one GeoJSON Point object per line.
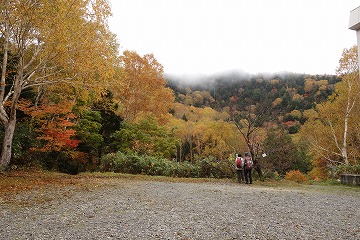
{"type": "Point", "coordinates": [55, 122]}
{"type": "Point", "coordinates": [142, 90]}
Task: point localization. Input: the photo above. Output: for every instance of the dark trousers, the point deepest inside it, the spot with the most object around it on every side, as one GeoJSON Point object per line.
{"type": "Point", "coordinates": [248, 177]}
{"type": "Point", "coordinates": [240, 175]}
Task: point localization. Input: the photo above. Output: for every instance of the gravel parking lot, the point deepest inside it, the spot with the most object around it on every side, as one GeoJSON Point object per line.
{"type": "Point", "coordinates": [138, 209]}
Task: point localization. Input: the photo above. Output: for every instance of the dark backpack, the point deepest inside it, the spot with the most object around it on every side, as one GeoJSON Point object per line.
{"type": "Point", "coordinates": [248, 163]}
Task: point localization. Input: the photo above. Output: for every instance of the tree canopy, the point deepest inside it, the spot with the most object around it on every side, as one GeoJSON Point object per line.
{"type": "Point", "coordinates": [74, 46]}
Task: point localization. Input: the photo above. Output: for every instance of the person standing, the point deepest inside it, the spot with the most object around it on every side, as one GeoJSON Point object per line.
{"type": "Point", "coordinates": [248, 165]}
{"type": "Point", "coordinates": [239, 166]}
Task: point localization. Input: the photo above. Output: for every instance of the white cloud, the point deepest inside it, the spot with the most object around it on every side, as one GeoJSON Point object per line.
{"type": "Point", "coordinates": [207, 36]}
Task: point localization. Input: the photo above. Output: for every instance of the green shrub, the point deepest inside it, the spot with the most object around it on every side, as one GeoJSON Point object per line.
{"type": "Point", "coordinates": [272, 175]}
{"type": "Point", "coordinates": [145, 137]}
{"type": "Point", "coordinates": [347, 169]}
{"type": "Point", "coordinates": [136, 164]}
{"type": "Point", "coordinates": [216, 169]}
{"type": "Point", "coordinates": [160, 167]}
{"type": "Point", "coordinates": [24, 140]}
{"type": "Point", "coordinates": [111, 162]}
{"type": "Point", "coordinates": [205, 168]}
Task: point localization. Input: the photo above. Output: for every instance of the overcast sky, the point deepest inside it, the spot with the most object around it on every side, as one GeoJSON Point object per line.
{"type": "Point", "coordinates": [211, 36]}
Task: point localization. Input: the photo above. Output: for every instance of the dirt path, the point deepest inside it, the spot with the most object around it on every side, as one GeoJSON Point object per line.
{"type": "Point", "coordinates": [134, 209]}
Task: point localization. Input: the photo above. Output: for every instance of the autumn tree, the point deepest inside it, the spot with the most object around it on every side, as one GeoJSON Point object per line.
{"type": "Point", "coordinates": [88, 131]}
{"type": "Point", "coordinates": [146, 137]}
{"type": "Point", "coordinates": [52, 42]}
{"type": "Point", "coordinates": [250, 125]}
{"type": "Point", "coordinates": [55, 122]}
{"type": "Point", "coordinates": [142, 91]}
{"type": "Point", "coordinates": [333, 132]}
{"type": "Point", "coordinates": [217, 140]}
{"type": "Point", "coordinates": [203, 132]}
{"type": "Point", "coordinates": [55, 126]}
{"type": "Point", "coordinates": [183, 134]}
{"type": "Point", "coordinates": [282, 153]}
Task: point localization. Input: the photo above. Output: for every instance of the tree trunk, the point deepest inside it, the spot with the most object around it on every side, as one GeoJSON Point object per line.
{"type": "Point", "coordinates": [258, 169]}
{"type": "Point", "coordinates": [7, 143]}
{"type": "Point", "coordinates": [257, 164]}
{"type": "Point", "coordinates": [344, 147]}
{"type": "Point", "coordinates": [3, 115]}
{"type": "Point", "coordinates": [9, 127]}
{"type": "Point", "coordinates": [346, 126]}
{"type": "Point", "coordinates": [8, 124]}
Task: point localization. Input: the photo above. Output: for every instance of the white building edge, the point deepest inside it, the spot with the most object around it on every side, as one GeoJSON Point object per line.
{"type": "Point", "coordinates": [354, 24]}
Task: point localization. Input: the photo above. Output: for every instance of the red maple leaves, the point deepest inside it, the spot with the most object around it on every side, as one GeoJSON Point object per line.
{"type": "Point", "coordinates": [55, 123]}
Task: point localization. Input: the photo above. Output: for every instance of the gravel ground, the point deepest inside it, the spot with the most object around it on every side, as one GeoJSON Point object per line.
{"type": "Point", "coordinates": [136, 209]}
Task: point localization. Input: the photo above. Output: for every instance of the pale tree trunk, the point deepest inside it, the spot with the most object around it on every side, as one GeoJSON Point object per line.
{"type": "Point", "coordinates": [349, 107]}
{"type": "Point", "coordinates": [8, 124]}
{"type": "Point", "coordinates": [9, 120]}
{"type": "Point", "coordinates": [344, 146]}
{"type": "Point", "coordinates": [5, 46]}
{"type": "Point", "coordinates": [346, 124]}
{"type": "Point", "coordinates": [7, 144]}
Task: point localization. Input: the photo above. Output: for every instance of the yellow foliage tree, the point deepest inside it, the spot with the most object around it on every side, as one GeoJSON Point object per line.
{"type": "Point", "coordinates": [333, 134]}
{"type": "Point", "coordinates": [276, 102]}
{"type": "Point", "coordinates": [204, 133]}
{"type": "Point", "coordinates": [142, 91]}
{"type": "Point", "coordinates": [309, 85]}
{"type": "Point", "coordinates": [296, 113]}
{"type": "Point", "coordinates": [310, 114]}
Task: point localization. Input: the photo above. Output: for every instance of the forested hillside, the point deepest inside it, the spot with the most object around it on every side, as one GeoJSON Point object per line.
{"type": "Point", "coordinates": [299, 122]}
{"type": "Point", "coordinates": [291, 97]}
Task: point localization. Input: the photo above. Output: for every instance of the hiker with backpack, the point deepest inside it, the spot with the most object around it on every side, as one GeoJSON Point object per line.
{"type": "Point", "coordinates": [239, 166]}
{"type": "Point", "coordinates": [248, 165]}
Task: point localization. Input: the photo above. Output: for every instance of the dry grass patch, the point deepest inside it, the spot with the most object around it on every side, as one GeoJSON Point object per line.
{"type": "Point", "coordinates": [17, 181]}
